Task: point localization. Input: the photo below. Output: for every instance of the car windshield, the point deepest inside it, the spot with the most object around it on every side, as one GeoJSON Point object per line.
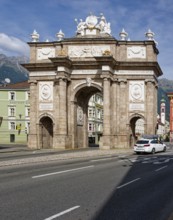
{"type": "Point", "coordinates": [142, 142]}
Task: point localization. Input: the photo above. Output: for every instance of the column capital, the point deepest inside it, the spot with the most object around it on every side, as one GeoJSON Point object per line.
{"type": "Point", "coordinates": [32, 82]}
{"type": "Point", "coordinates": [120, 81]}
{"type": "Point", "coordinates": [63, 69]}
{"type": "Point", "coordinates": [106, 77]}
{"type": "Point", "coordinates": [150, 81]}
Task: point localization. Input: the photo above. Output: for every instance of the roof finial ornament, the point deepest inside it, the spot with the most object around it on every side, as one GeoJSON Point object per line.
{"type": "Point", "coordinates": [35, 36]}
{"type": "Point", "coordinates": [150, 35]}
{"type": "Point", "coordinates": [60, 35]}
{"type": "Point", "coordinates": [123, 35]}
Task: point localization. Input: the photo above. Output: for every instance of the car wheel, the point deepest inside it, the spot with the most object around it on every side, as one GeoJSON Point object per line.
{"type": "Point", "coordinates": [164, 149]}
{"type": "Point", "coordinates": [153, 151]}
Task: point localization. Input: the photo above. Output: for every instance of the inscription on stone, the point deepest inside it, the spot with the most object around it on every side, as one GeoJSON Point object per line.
{"type": "Point", "coordinates": [136, 107]}
{"type": "Point", "coordinates": [46, 106]}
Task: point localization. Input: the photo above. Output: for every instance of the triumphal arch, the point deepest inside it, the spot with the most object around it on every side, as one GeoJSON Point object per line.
{"type": "Point", "coordinates": [64, 74]}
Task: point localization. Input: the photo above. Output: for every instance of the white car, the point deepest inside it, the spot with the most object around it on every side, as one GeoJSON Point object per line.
{"type": "Point", "coordinates": [149, 146]}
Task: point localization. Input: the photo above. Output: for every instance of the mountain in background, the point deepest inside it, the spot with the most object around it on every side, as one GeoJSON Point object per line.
{"type": "Point", "coordinates": [166, 84]}
{"type": "Point", "coordinates": [10, 68]}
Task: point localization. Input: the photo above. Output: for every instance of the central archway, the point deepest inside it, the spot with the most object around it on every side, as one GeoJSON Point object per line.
{"type": "Point", "coordinates": [82, 98]}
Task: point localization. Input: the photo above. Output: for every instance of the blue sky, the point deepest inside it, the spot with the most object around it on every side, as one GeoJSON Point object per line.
{"type": "Point", "coordinates": [18, 19]}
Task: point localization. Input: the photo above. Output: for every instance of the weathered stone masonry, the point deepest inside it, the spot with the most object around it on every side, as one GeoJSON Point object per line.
{"type": "Point", "coordinates": [65, 74]}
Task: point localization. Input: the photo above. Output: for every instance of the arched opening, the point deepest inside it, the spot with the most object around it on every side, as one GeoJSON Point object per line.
{"type": "Point", "coordinates": [95, 119]}
{"type": "Point", "coordinates": [137, 128]}
{"type": "Point", "coordinates": [46, 132]}
{"type": "Point", "coordinates": [86, 126]}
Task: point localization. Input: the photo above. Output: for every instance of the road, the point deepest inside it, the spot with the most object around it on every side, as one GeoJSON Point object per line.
{"type": "Point", "coordinates": [126, 187]}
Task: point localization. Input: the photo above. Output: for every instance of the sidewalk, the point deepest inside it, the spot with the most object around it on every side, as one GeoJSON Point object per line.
{"type": "Point", "coordinates": [46, 155]}
{"type": "Point", "coordinates": [7, 148]}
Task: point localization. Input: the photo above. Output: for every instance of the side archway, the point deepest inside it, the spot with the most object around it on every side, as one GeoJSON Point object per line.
{"type": "Point", "coordinates": [46, 132]}
{"type": "Point", "coordinates": [133, 128]}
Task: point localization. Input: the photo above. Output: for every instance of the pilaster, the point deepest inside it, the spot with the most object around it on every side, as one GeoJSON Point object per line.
{"type": "Point", "coordinates": [33, 130]}
{"type": "Point", "coordinates": [60, 131]}
{"type": "Point", "coordinates": [106, 75]}
{"type": "Point", "coordinates": [151, 110]}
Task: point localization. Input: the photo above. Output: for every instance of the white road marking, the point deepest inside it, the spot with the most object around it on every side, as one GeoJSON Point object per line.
{"type": "Point", "coordinates": [163, 161]}
{"type": "Point", "coordinates": [101, 159]}
{"type": "Point", "coordinates": [64, 171]}
{"type": "Point", "coordinates": [62, 213]}
{"type": "Point", "coordinates": [160, 168]}
{"type": "Point", "coordinates": [128, 183]}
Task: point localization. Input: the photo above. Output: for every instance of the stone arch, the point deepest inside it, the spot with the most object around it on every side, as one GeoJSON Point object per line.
{"type": "Point", "coordinates": [45, 115]}
{"type": "Point", "coordinates": [46, 132]}
{"type": "Point", "coordinates": [81, 86]}
{"type": "Point", "coordinates": [81, 97]}
{"type": "Point", "coordinates": [132, 123]}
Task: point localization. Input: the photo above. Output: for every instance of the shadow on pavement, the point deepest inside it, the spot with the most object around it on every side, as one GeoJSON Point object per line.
{"type": "Point", "coordinates": [143, 193]}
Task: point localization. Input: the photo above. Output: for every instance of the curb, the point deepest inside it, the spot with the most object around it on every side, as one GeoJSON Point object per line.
{"type": "Point", "coordinates": [65, 156]}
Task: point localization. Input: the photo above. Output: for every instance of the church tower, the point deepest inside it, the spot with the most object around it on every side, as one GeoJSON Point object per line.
{"type": "Point", "coordinates": [162, 111]}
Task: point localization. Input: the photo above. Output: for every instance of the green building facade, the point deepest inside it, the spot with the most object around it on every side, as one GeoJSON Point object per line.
{"type": "Point", "coordinates": [15, 113]}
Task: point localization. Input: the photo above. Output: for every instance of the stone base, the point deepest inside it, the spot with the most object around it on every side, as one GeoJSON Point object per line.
{"type": "Point", "coordinates": [32, 141]}
{"type": "Point", "coordinates": [61, 142]}
{"type": "Point", "coordinates": [105, 147]}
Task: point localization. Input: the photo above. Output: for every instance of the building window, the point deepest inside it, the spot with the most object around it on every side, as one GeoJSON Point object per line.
{"type": "Point", "coordinates": [27, 112]}
{"type": "Point", "coordinates": [12, 96]}
{"type": "Point", "coordinates": [91, 127]}
{"type": "Point", "coordinates": [12, 112]}
{"type": "Point", "coordinates": [102, 115]}
{"type": "Point", "coordinates": [94, 113]}
{"type": "Point", "coordinates": [98, 114]}
{"type": "Point", "coordinates": [12, 126]}
{"type": "Point", "coordinates": [27, 95]}
{"type": "Point", "coordinates": [12, 138]}
{"type": "Point", "coordinates": [90, 112]}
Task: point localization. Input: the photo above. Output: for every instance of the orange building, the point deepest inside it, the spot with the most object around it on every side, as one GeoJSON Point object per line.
{"type": "Point", "coordinates": [170, 95]}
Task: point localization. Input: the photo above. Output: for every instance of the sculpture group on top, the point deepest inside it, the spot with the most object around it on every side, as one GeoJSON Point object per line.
{"type": "Point", "coordinates": [93, 23]}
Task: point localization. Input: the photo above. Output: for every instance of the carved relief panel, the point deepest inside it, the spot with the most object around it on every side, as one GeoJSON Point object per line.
{"type": "Point", "coordinates": [136, 95]}
{"type": "Point", "coordinates": [87, 51]}
{"type": "Point", "coordinates": [46, 95]}
{"type": "Point", "coordinates": [136, 52]}
{"type": "Point", "coordinates": [45, 53]}
{"type": "Point", "coordinates": [80, 116]}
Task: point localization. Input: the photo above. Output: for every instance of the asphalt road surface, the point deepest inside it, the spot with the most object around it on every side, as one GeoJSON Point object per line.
{"type": "Point", "coordinates": [112, 188]}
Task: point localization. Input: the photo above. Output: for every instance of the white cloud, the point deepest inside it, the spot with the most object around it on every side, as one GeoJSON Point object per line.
{"type": "Point", "coordinates": [12, 45]}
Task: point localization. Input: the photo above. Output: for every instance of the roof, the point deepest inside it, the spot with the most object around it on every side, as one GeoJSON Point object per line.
{"type": "Point", "coordinates": [16, 86]}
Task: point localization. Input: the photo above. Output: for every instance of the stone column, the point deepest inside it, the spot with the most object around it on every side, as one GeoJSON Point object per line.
{"type": "Point", "coordinates": [63, 106]}
{"type": "Point", "coordinates": [107, 112]}
{"type": "Point", "coordinates": [122, 124]}
{"type": "Point", "coordinates": [60, 139]}
{"type": "Point", "coordinates": [151, 107]}
{"type": "Point", "coordinates": [33, 130]}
